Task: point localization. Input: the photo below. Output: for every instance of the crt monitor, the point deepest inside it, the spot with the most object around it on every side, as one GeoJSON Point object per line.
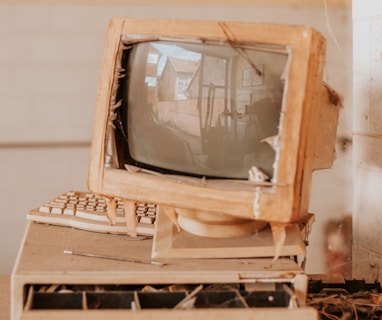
{"type": "Point", "coordinates": [212, 119]}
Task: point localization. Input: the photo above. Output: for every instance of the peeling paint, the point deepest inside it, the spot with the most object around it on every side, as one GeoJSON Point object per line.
{"type": "Point", "coordinates": [334, 97]}
{"type": "Point", "coordinates": [344, 143]}
{"type": "Point", "coordinates": [257, 175]}
{"type": "Point", "coordinates": [256, 203]}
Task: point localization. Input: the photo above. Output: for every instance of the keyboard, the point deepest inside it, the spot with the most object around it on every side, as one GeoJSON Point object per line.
{"type": "Point", "coordinates": [89, 211]}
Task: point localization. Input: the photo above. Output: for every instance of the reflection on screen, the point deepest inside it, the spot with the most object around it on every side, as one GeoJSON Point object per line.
{"type": "Point", "coordinates": [203, 110]}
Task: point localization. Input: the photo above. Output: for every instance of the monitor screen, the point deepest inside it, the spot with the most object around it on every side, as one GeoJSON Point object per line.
{"type": "Point", "coordinates": [204, 110]}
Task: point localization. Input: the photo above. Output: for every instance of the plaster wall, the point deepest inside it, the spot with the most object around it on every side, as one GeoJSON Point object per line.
{"type": "Point", "coordinates": [367, 136]}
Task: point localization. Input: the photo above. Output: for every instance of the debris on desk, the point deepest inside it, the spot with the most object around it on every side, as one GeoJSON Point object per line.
{"type": "Point", "coordinates": [352, 299]}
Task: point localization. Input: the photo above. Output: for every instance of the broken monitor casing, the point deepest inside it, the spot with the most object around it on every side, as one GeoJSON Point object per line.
{"type": "Point", "coordinates": [255, 103]}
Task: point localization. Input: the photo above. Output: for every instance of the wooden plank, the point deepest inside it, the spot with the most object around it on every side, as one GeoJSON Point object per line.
{"type": "Point", "coordinates": [42, 256]}
{"type": "Point", "coordinates": [214, 314]}
{"type": "Point", "coordinates": [5, 297]}
{"type": "Point", "coordinates": [308, 3]}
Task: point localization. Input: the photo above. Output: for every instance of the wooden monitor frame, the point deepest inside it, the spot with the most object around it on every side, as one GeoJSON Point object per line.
{"type": "Point", "coordinates": [309, 121]}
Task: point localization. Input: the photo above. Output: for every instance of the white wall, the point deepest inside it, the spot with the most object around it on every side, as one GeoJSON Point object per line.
{"type": "Point", "coordinates": [367, 248]}
{"type": "Point", "coordinates": [50, 57]}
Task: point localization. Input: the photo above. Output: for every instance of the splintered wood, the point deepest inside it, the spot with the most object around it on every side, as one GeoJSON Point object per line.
{"type": "Point", "coordinates": [172, 215]}
{"type": "Point", "coordinates": [131, 218]}
{"type": "Point", "coordinates": [111, 207]}
{"type": "Point", "coordinates": [362, 305]}
{"type": "Point", "coordinates": [279, 236]}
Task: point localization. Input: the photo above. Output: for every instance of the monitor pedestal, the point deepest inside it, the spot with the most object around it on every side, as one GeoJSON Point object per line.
{"type": "Point", "coordinates": [213, 225]}
{"type": "Point", "coordinates": [171, 241]}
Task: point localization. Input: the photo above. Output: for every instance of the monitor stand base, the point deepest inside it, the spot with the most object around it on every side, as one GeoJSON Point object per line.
{"type": "Point", "coordinates": [205, 224]}
{"type": "Point", "coordinates": [172, 241]}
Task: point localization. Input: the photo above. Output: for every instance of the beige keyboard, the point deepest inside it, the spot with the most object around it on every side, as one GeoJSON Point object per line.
{"type": "Point", "coordinates": [88, 211]}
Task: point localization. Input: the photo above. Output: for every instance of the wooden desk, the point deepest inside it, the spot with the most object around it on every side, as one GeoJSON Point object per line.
{"type": "Point", "coordinates": [42, 261]}
{"type": "Point", "coordinates": [5, 297]}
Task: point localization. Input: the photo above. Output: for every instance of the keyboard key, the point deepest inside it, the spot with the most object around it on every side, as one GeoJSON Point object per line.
{"type": "Point", "coordinates": [44, 209]}
{"type": "Point", "coordinates": [57, 210]}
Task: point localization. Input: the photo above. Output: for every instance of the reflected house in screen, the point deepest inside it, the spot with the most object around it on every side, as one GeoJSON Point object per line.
{"type": "Point", "coordinates": [175, 78]}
